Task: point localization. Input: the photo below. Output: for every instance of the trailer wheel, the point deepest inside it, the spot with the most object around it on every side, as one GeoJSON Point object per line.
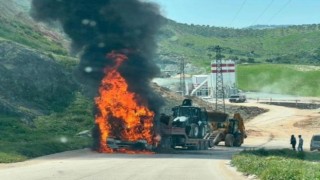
{"type": "Point", "coordinates": [194, 131]}
{"type": "Point", "coordinates": [211, 143]}
{"type": "Point", "coordinates": [206, 145]}
{"type": "Point", "coordinates": [166, 142]}
{"type": "Point", "coordinates": [200, 145]}
{"type": "Point", "coordinates": [202, 130]}
{"type": "Point", "coordinates": [203, 145]}
{"type": "Point", "coordinates": [229, 140]}
{"type": "Point", "coordinates": [196, 147]}
{"type": "Point", "coordinates": [237, 141]}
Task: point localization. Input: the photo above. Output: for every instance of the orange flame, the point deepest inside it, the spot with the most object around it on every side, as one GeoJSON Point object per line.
{"type": "Point", "coordinates": [119, 113]}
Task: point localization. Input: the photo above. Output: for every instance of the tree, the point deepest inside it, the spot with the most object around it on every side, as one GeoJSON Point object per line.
{"type": "Point", "coordinates": [251, 60]}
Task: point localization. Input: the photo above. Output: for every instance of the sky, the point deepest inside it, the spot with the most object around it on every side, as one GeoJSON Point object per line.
{"type": "Point", "coordinates": [241, 13]}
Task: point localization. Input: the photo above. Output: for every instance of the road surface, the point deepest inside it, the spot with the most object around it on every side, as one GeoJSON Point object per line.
{"type": "Point", "coordinates": [274, 128]}
{"type": "Point", "coordinates": [269, 130]}
{"type": "Point", "coordinates": [85, 164]}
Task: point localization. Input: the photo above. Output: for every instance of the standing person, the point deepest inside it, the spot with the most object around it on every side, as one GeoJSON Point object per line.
{"type": "Point", "coordinates": [300, 145]}
{"type": "Point", "coordinates": [293, 142]}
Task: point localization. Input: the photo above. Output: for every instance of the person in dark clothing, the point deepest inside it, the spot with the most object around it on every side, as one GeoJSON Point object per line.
{"type": "Point", "coordinates": [293, 142]}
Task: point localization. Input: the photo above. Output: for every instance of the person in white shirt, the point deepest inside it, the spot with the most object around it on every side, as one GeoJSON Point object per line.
{"type": "Point", "coordinates": [300, 145]}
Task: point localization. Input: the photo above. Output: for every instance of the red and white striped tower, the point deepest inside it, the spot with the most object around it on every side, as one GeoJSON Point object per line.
{"type": "Point", "coordinates": [228, 71]}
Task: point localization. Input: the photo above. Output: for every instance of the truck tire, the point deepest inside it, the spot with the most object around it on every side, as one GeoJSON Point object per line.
{"type": "Point", "coordinates": [202, 130]}
{"type": "Point", "coordinates": [229, 140]}
{"type": "Point", "coordinates": [166, 142]}
{"type": "Point", "coordinates": [194, 131]}
{"type": "Point", "coordinates": [237, 141]}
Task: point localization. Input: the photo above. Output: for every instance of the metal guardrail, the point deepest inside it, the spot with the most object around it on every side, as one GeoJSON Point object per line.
{"type": "Point", "coordinates": [296, 103]}
{"type": "Point", "coordinates": [285, 100]}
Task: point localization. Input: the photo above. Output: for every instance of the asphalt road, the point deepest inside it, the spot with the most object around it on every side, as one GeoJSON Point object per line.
{"type": "Point", "coordinates": [85, 164]}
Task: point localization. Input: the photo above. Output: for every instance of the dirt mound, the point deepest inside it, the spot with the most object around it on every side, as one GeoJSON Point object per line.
{"type": "Point", "coordinates": [174, 99]}
{"type": "Point", "coordinates": [309, 123]}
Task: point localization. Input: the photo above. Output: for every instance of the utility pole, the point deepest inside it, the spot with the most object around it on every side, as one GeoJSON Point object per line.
{"type": "Point", "coordinates": [220, 104]}
{"type": "Point", "coordinates": [182, 77]}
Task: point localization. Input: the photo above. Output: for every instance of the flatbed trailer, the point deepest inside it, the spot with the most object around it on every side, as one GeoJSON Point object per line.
{"type": "Point", "coordinates": [174, 137]}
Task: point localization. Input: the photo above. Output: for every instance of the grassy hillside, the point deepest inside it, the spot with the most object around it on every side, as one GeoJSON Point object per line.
{"type": "Point", "coordinates": [286, 79]}
{"type": "Point", "coordinates": [47, 134]}
{"type": "Point", "coordinates": [17, 26]}
{"type": "Point", "coordinates": [42, 54]}
{"type": "Point", "coordinates": [290, 45]}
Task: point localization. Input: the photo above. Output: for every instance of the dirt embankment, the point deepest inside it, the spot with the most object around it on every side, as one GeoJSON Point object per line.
{"type": "Point", "coordinates": [173, 99]}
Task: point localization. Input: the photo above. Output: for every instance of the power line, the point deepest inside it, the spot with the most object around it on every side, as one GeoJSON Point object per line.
{"type": "Point", "coordinates": [236, 15]}
{"type": "Point", "coordinates": [262, 12]}
{"type": "Point", "coordinates": [280, 10]}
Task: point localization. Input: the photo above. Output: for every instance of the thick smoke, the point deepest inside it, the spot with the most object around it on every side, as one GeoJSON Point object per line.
{"type": "Point", "coordinates": [98, 27]}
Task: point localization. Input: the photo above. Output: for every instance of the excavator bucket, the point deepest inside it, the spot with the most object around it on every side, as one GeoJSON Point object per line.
{"type": "Point", "coordinates": [214, 116]}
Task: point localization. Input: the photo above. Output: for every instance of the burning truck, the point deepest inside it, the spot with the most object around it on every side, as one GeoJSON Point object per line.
{"type": "Point", "coordinates": [122, 119]}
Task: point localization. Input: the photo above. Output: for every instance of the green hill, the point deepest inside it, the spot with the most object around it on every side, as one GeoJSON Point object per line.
{"type": "Point", "coordinates": [272, 58]}
{"type": "Point", "coordinates": [289, 45]}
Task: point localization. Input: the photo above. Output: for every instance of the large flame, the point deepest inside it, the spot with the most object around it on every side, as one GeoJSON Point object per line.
{"type": "Point", "coordinates": [121, 114]}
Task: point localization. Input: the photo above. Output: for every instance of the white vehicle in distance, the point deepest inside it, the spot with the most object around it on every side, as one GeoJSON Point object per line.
{"type": "Point", "coordinates": [237, 98]}
{"type": "Point", "coordinates": [315, 142]}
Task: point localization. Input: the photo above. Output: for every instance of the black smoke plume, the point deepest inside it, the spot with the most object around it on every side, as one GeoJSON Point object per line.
{"type": "Point", "coordinates": [98, 27]}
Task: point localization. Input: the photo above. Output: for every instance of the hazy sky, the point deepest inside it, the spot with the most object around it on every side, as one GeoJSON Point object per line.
{"type": "Point", "coordinates": [242, 13]}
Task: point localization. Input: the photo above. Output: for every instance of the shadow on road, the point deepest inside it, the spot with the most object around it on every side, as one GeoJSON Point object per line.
{"type": "Point", "coordinates": [218, 152]}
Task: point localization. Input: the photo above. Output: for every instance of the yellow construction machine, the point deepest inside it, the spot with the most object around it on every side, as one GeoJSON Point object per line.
{"type": "Point", "coordinates": [223, 128]}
